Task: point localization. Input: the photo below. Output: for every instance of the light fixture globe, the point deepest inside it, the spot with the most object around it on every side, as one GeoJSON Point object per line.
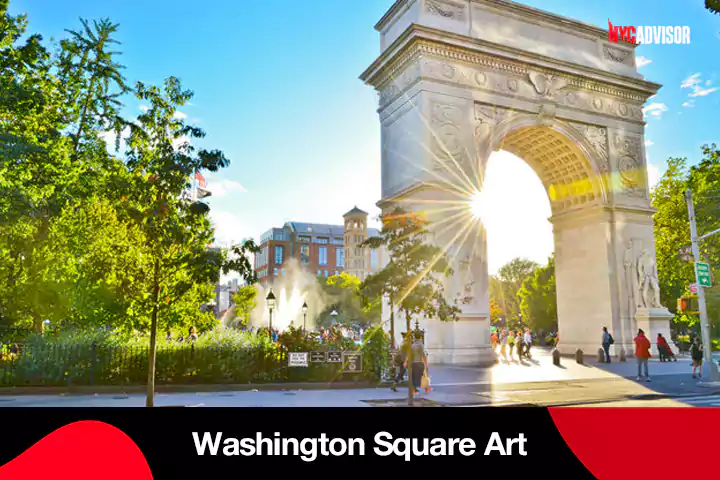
{"type": "Point", "coordinates": [270, 300]}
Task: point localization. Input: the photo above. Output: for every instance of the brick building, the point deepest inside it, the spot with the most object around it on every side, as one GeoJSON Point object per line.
{"type": "Point", "coordinates": [319, 248]}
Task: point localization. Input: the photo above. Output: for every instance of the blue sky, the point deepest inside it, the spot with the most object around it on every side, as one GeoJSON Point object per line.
{"type": "Point", "coordinates": [277, 89]}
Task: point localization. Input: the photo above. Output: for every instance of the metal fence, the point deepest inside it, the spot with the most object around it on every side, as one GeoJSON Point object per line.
{"type": "Point", "coordinates": [76, 365]}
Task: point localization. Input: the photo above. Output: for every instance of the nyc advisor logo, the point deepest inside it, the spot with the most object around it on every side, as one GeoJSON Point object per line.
{"type": "Point", "coordinates": [652, 35]}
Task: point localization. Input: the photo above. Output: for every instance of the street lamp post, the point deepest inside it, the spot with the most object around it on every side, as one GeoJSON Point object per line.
{"type": "Point", "coordinates": [334, 315]}
{"type": "Point", "coordinates": [304, 310]}
{"type": "Point", "coordinates": [271, 306]}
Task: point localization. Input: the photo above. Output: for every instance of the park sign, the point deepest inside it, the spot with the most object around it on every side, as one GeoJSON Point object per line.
{"type": "Point", "coordinates": [297, 359]}
{"type": "Point", "coordinates": [702, 271]}
{"type": "Point", "coordinates": [318, 357]}
{"type": "Point", "coordinates": [352, 362]}
{"type": "Point", "coordinates": [334, 357]}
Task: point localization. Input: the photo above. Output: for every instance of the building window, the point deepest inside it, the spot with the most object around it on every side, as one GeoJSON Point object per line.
{"type": "Point", "coordinates": [304, 254]}
{"type": "Point", "coordinates": [304, 239]}
{"type": "Point", "coordinates": [278, 255]}
{"type": "Point", "coordinates": [275, 271]}
{"type": "Point", "coordinates": [338, 241]}
{"type": "Point", "coordinates": [322, 240]}
{"type": "Point", "coordinates": [374, 258]}
{"type": "Point", "coordinates": [283, 272]}
{"type": "Point", "coordinates": [340, 257]}
{"type": "Point", "coordinates": [319, 273]}
{"type": "Point", "coordinates": [326, 273]}
{"type": "Point", "coordinates": [337, 273]}
{"type": "Point", "coordinates": [322, 255]}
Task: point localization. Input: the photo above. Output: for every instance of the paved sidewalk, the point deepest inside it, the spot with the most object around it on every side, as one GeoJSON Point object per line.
{"type": "Point", "coordinates": [536, 382]}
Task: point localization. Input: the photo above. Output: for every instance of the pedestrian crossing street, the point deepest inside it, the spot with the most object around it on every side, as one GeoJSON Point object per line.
{"type": "Point", "coordinates": [701, 401]}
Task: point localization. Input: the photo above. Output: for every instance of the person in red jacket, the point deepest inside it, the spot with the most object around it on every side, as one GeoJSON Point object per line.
{"type": "Point", "coordinates": [642, 354]}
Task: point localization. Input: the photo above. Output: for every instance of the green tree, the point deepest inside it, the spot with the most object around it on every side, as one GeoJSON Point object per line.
{"type": "Point", "coordinates": [413, 276]}
{"type": "Point", "coordinates": [353, 308]}
{"type": "Point", "coordinates": [672, 230]}
{"type": "Point", "coordinates": [510, 278]}
{"type": "Point", "coordinates": [245, 300]}
{"type": "Point", "coordinates": [177, 231]}
{"type": "Point", "coordinates": [713, 6]}
{"type": "Point", "coordinates": [538, 299]}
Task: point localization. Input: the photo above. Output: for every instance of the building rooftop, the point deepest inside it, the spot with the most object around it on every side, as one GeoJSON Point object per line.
{"type": "Point", "coordinates": [317, 229]}
{"type": "Point", "coordinates": [355, 211]}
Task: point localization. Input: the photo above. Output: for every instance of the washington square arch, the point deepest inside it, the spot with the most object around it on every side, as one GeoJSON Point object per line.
{"type": "Point", "coordinates": [459, 79]}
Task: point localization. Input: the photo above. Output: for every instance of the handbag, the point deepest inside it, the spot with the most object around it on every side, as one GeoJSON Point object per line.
{"type": "Point", "coordinates": [425, 382]}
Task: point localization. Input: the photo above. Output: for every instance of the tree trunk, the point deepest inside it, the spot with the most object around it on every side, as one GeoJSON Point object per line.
{"type": "Point", "coordinates": [37, 323]}
{"type": "Point", "coordinates": [411, 387]}
{"type": "Point", "coordinates": [150, 401]}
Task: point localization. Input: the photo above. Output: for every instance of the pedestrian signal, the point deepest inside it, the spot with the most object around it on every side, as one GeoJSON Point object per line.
{"type": "Point", "coordinates": [688, 304]}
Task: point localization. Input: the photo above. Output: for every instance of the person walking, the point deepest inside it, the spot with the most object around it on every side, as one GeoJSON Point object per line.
{"type": "Point", "coordinates": [528, 343]}
{"type": "Point", "coordinates": [503, 345]}
{"type": "Point", "coordinates": [696, 353]}
{"type": "Point", "coordinates": [642, 354]}
{"type": "Point", "coordinates": [399, 361]}
{"type": "Point", "coordinates": [511, 343]}
{"type": "Point", "coordinates": [494, 341]}
{"type": "Point", "coordinates": [607, 340]}
{"type": "Point", "coordinates": [666, 354]}
{"type": "Point", "coordinates": [419, 365]}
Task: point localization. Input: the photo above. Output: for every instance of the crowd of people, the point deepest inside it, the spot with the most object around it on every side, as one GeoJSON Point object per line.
{"type": "Point", "coordinates": [643, 354]}
{"type": "Point", "coordinates": [505, 343]}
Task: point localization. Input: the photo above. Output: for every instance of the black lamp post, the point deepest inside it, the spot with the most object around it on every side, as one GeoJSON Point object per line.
{"type": "Point", "coordinates": [304, 310]}
{"type": "Point", "coordinates": [334, 315]}
{"type": "Point", "coordinates": [271, 306]}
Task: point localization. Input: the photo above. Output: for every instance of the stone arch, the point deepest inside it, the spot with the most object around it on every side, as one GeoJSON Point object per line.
{"type": "Point", "coordinates": [569, 167]}
{"type": "Point", "coordinates": [453, 87]}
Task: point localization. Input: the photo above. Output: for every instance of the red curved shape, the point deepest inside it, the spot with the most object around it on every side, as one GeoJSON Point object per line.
{"type": "Point", "coordinates": [631, 443]}
{"type": "Point", "coordinates": [81, 451]}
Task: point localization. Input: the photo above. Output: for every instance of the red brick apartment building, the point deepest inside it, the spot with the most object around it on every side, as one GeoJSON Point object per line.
{"type": "Point", "coordinates": [320, 249]}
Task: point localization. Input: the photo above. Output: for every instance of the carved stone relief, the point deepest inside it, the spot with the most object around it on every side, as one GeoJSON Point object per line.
{"type": "Point", "coordinates": [630, 164]}
{"type": "Point", "coordinates": [547, 85]}
{"type": "Point", "coordinates": [445, 9]}
{"type": "Point", "coordinates": [447, 134]}
{"type": "Point", "coordinates": [597, 137]}
{"type": "Point", "coordinates": [487, 117]}
{"type": "Point", "coordinates": [532, 85]}
{"type": "Point", "coordinates": [617, 55]}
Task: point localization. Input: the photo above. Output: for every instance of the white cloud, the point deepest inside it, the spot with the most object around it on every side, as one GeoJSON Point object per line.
{"type": "Point", "coordinates": [691, 81]}
{"type": "Point", "coordinates": [689, 104]}
{"type": "Point", "coordinates": [229, 228]}
{"type": "Point", "coordinates": [642, 61]}
{"type": "Point", "coordinates": [144, 108]}
{"type": "Point", "coordinates": [653, 175]}
{"type": "Point", "coordinates": [655, 109]}
{"type": "Point", "coordinates": [179, 115]}
{"type": "Point", "coordinates": [178, 142]}
{"type": "Point", "coordinates": [109, 137]}
{"type": "Point", "coordinates": [649, 143]}
{"type": "Point", "coordinates": [702, 92]}
{"type": "Point", "coordinates": [221, 188]}
{"type": "Point", "coordinates": [694, 82]}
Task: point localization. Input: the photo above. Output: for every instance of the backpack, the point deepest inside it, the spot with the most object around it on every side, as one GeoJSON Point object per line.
{"type": "Point", "coordinates": [612, 340]}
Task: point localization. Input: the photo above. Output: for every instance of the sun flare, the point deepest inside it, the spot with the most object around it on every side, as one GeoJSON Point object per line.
{"type": "Point", "coordinates": [479, 205]}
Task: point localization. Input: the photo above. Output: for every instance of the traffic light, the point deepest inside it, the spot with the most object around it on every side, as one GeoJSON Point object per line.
{"type": "Point", "coordinates": [688, 304]}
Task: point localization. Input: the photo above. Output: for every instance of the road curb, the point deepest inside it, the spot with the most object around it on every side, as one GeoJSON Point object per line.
{"type": "Point", "coordinates": [191, 388]}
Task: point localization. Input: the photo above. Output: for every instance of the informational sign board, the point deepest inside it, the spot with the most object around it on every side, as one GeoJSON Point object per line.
{"type": "Point", "coordinates": [352, 362]}
{"type": "Point", "coordinates": [703, 274]}
{"type": "Point", "coordinates": [297, 359]}
{"type": "Point", "coordinates": [334, 357]}
{"type": "Point", "coordinates": [318, 357]}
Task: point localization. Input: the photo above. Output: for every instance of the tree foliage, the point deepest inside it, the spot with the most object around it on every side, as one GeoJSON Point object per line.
{"type": "Point", "coordinates": [245, 300]}
{"type": "Point", "coordinates": [90, 238]}
{"type": "Point", "coordinates": [538, 298]}
{"type": "Point", "coordinates": [505, 286]}
{"type": "Point", "coordinates": [672, 231]}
